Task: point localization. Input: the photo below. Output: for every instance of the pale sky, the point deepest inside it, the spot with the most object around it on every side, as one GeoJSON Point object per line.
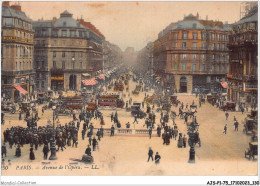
{"type": "Point", "coordinates": [133, 23]}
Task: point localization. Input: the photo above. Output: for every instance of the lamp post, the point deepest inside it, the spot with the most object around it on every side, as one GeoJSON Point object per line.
{"type": "Point", "coordinates": [192, 153]}
{"type": "Point", "coordinates": [53, 143]}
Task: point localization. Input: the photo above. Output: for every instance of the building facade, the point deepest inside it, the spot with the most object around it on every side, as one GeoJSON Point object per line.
{"type": "Point", "coordinates": [95, 47]}
{"type": "Point", "coordinates": [243, 75]}
{"type": "Point", "coordinates": [17, 53]}
{"type": "Point", "coordinates": [192, 55]}
{"type": "Point", "coordinates": [65, 52]}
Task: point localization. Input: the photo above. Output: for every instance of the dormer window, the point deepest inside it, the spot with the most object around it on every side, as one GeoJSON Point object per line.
{"type": "Point", "coordinates": [64, 23]}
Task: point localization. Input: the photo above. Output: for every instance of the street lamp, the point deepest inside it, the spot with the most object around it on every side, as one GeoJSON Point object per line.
{"type": "Point", "coordinates": [53, 143]}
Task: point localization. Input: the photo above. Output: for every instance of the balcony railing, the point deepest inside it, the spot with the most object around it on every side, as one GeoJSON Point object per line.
{"type": "Point", "coordinates": [16, 39]}
{"type": "Point", "coordinates": [16, 73]}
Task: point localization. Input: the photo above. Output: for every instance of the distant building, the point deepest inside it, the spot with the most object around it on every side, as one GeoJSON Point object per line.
{"type": "Point", "coordinates": [130, 56]}
{"type": "Point", "coordinates": [243, 66]}
{"type": "Point", "coordinates": [192, 55]}
{"type": "Point", "coordinates": [17, 53]}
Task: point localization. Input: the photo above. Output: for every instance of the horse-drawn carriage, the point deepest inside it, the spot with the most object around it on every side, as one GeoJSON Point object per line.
{"type": "Point", "coordinates": [230, 106]}
{"type": "Point", "coordinates": [166, 107]}
{"type": "Point", "coordinates": [194, 138]}
{"type": "Point", "coordinates": [118, 86]}
{"type": "Point", "coordinates": [8, 107]}
{"type": "Point", "coordinates": [192, 126]}
{"type": "Point", "coordinates": [193, 108]}
{"type": "Point", "coordinates": [174, 101]}
{"type": "Point", "coordinates": [25, 107]}
{"type": "Point", "coordinates": [136, 111]}
{"type": "Point", "coordinates": [136, 90]}
{"type": "Point", "coordinates": [251, 152]}
{"type": "Point", "coordinates": [249, 125]}
{"type": "Point", "coordinates": [91, 107]}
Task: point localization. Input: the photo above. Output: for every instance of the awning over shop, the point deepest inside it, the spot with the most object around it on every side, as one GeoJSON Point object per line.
{"type": "Point", "coordinates": [88, 82]}
{"type": "Point", "coordinates": [101, 76]}
{"type": "Point", "coordinates": [20, 89]}
{"type": "Point", "coordinates": [223, 84]}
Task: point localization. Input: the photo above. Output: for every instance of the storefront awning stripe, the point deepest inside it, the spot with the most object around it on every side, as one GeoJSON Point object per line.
{"type": "Point", "coordinates": [20, 89]}
{"type": "Point", "coordinates": [223, 84]}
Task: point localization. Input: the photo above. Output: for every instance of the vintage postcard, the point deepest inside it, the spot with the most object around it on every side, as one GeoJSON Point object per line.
{"type": "Point", "coordinates": [128, 88]}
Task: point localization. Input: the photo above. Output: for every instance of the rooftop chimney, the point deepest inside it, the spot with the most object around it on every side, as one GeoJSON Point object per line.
{"type": "Point", "coordinates": [54, 19]}
{"type": "Point", "coordinates": [17, 7]}
{"type": "Point", "coordinates": [6, 3]}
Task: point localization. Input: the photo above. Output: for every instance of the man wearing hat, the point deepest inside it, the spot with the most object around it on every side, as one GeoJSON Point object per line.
{"type": "Point", "coordinates": [157, 158]}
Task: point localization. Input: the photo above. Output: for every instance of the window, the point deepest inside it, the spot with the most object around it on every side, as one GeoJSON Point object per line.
{"type": "Point", "coordinates": [213, 56]}
{"type": "Point", "coordinates": [80, 65]}
{"type": "Point", "coordinates": [42, 84]}
{"type": "Point", "coordinates": [193, 67]}
{"type": "Point", "coordinates": [63, 54]}
{"type": "Point", "coordinates": [176, 36]}
{"type": "Point", "coordinates": [217, 37]}
{"type": "Point", "coordinates": [72, 33]}
{"type": "Point", "coordinates": [194, 56]}
{"type": "Point", "coordinates": [54, 54]}
{"type": "Point", "coordinates": [72, 54]}
{"type": "Point", "coordinates": [72, 65]}
{"type": "Point", "coordinates": [80, 54]}
{"type": "Point", "coordinates": [16, 66]}
{"type": "Point", "coordinates": [54, 64]}
{"type": "Point", "coordinates": [184, 56]}
{"type": "Point", "coordinates": [63, 65]}
{"type": "Point", "coordinates": [174, 45]}
{"type": "Point", "coordinates": [184, 45]}
{"type": "Point", "coordinates": [195, 35]}
{"type": "Point", "coordinates": [212, 36]}
{"type": "Point", "coordinates": [64, 33]}
{"type": "Point", "coordinates": [203, 46]}
{"type": "Point", "coordinates": [64, 23]}
{"type": "Point", "coordinates": [203, 35]}
{"type": "Point", "coordinates": [202, 67]}
{"type": "Point", "coordinates": [194, 45]}
{"type": "Point", "coordinates": [202, 56]}
{"type": "Point", "coordinates": [183, 68]}
{"type": "Point", "coordinates": [223, 46]}
{"type": "Point", "coordinates": [185, 35]}
{"type": "Point", "coordinates": [176, 67]}
{"type": "Point", "coordinates": [80, 34]}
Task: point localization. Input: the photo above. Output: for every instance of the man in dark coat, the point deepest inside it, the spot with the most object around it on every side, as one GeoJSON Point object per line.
{"type": "Point", "coordinates": [88, 151]}
{"type": "Point", "coordinates": [83, 132]}
{"type": "Point", "coordinates": [157, 158]}
{"type": "Point", "coordinates": [18, 151]}
{"type": "Point", "coordinates": [112, 130]}
{"type": "Point", "coordinates": [150, 154]}
{"type": "Point", "coordinates": [159, 131]}
{"type": "Point", "coordinates": [3, 150]}
{"type": "Point", "coordinates": [101, 131]}
{"type": "Point", "coordinates": [45, 151]}
{"type": "Point", "coordinates": [32, 156]}
{"type": "Point", "coordinates": [150, 132]}
{"type": "Point", "coordinates": [94, 143]}
{"type": "Point", "coordinates": [236, 125]}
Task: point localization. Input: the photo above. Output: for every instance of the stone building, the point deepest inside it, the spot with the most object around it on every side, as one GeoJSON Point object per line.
{"type": "Point", "coordinates": [192, 55]}
{"type": "Point", "coordinates": [17, 53]}
{"type": "Point", "coordinates": [62, 53]}
{"type": "Point", "coordinates": [95, 41]}
{"type": "Point", "coordinates": [243, 75]}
